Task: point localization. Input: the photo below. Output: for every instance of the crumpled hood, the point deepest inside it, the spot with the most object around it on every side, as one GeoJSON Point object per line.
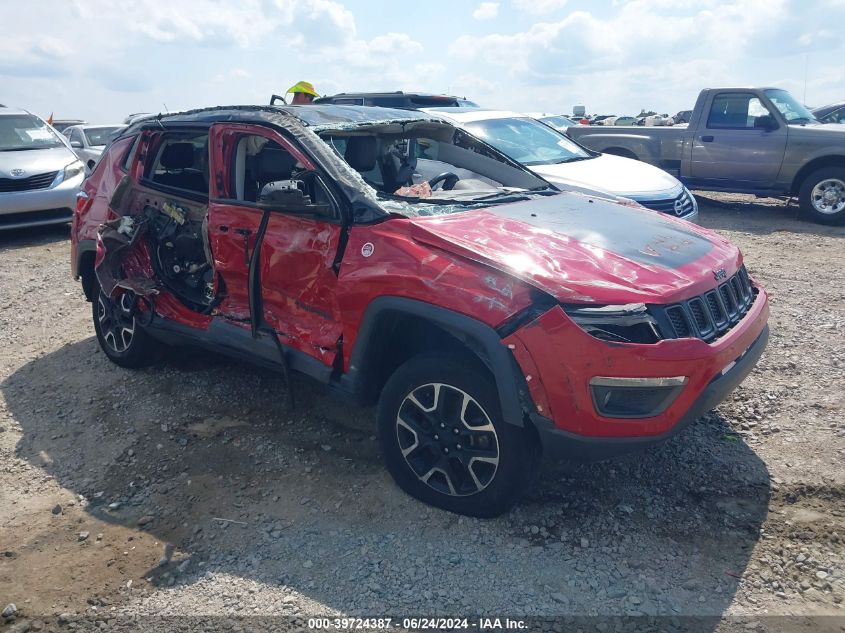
{"type": "Point", "coordinates": [581, 250]}
{"type": "Point", "coordinates": [621, 176]}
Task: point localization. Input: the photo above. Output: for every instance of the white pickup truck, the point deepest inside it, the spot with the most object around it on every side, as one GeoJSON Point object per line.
{"type": "Point", "coordinates": [746, 140]}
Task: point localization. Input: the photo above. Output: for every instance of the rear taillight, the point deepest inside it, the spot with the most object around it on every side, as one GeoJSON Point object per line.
{"type": "Point", "coordinates": [101, 252]}
{"type": "Point", "coordinates": [83, 201]}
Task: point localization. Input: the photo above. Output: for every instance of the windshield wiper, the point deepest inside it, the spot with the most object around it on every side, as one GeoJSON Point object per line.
{"type": "Point", "coordinates": [572, 159]}
{"type": "Point", "coordinates": [505, 196]}
{"type": "Point", "coordinates": [544, 190]}
{"type": "Point", "coordinates": [25, 148]}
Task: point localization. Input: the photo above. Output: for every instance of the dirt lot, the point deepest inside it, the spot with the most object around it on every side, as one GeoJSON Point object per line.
{"type": "Point", "coordinates": [272, 511]}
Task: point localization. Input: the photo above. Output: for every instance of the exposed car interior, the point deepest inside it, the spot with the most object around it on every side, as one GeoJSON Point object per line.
{"type": "Point", "coordinates": [262, 166]}
{"type": "Point", "coordinates": [174, 223]}
{"type": "Point", "coordinates": [396, 159]}
{"type": "Point", "coordinates": [415, 168]}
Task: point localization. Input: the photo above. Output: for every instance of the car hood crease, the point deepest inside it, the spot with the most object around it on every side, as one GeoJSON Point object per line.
{"type": "Point", "coordinates": [597, 252]}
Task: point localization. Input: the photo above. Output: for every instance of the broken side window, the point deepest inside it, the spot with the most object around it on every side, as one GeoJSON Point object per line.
{"type": "Point", "coordinates": [181, 162]}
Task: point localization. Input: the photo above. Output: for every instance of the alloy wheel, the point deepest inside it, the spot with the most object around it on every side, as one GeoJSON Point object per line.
{"type": "Point", "coordinates": [117, 320]}
{"type": "Point", "coordinates": [828, 196]}
{"type": "Point", "coordinates": [447, 439]}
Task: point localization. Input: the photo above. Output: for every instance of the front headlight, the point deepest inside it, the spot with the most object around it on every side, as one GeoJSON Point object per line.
{"type": "Point", "coordinates": [628, 323]}
{"type": "Point", "coordinates": [73, 169]}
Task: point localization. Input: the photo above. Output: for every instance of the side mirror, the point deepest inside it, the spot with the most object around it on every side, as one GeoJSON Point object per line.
{"type": "Point", "coordinates": [76, 145]}
{"type": "Point", "coordinates": [765, 122]}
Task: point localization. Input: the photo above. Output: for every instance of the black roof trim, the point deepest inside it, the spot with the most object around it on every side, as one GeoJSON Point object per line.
{"type": "Point", "coordinates": [310, 115]}
{"type": "Point", "coordinates": [389, 94]}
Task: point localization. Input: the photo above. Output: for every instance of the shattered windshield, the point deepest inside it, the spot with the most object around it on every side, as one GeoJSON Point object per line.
{"type": "Point", "coordinates": [429, 167]}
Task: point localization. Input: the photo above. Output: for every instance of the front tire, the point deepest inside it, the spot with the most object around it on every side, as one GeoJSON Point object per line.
{"type": "Point", "coordinates": [822, 196]}
{"type": "Point", "coordinates": [120, 336]}
{"type": "Point", "coordinates": [443, 438]}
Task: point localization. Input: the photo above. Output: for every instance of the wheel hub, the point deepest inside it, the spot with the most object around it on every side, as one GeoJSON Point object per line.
{"type": "Point", "coordinates": [117, 320]}
{"type": "Point", "coordinates": [828, 196]}
{"type": "Point", "coordinates": [447, 439]}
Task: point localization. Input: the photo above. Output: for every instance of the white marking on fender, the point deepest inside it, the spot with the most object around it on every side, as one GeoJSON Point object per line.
{"type": "Point", "coordinates": [367, 249]}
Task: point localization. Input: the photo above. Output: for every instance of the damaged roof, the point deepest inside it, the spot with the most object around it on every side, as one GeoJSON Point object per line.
{"type": "Point", "coordinates": [314, 116]}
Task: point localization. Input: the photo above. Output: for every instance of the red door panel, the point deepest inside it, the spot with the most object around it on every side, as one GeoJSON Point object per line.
{"type": "Point", "coordinates": [298, 284]}
{"type": "Point", "coordinates": [231, 232]}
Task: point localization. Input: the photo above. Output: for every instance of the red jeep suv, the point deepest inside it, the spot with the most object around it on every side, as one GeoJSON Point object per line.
{"type": "Point", "coordinates": [408, 263]}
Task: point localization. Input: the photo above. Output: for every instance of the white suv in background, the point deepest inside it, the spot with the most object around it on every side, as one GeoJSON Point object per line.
{"type": "Point", "coordinates": [570, 166]}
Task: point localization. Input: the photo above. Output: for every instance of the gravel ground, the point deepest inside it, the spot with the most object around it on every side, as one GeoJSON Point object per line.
{"type": "Point", "coordinates": [148, 499]}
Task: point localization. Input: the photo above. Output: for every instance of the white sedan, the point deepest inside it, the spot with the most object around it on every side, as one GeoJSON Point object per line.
{"type": "Point", "coordinates": [89, 141]}
{"type": "Point", "coordinates": [568, 165]}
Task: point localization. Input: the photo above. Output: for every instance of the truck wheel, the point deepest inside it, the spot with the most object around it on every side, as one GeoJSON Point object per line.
{"type": "Point", "coordinates": [120, 337]}
{"type": "Point", "coordinates": [443, 438]}
{"type": "Point", "coordinates": [822, 195]}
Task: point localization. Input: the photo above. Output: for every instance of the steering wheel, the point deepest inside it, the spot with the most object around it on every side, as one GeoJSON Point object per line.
{"type": "Point", "coordinates": [448, 178]}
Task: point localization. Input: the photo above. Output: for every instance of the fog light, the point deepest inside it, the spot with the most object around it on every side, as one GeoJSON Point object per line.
{"type": "Point", "coordinates": [634, 397]}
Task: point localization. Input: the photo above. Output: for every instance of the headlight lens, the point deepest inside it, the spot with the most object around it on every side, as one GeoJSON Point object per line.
{"type": "Point", "coordinates": [73, 169]}
{"type": "Point", "coordinates": [628, 323]}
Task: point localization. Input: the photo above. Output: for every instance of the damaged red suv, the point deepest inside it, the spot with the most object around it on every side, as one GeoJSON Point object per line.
{"type": "Point", "coordinates": [408, 263]}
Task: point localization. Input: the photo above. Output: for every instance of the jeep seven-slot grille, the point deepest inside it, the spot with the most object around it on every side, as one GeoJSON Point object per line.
{"type": "Point", "coordinates": [710, 315]}
{"type": "Point", "coordinates": [39, 181]}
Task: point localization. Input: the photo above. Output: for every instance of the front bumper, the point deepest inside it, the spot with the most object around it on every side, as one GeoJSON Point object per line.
{"type": "Point", "coordinates": [559, 443]}
{"type": "Point", "coordinates": [40, 207]}
{"type": "Point", "coordinates": [559, 360]}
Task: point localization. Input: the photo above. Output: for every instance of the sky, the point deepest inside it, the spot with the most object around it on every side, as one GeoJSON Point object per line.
{"type": "Point", "coordinates": [101, 60]}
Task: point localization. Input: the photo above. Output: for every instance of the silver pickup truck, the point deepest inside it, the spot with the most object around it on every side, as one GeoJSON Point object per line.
{"type": "Point", "coordinates": [746, 140]}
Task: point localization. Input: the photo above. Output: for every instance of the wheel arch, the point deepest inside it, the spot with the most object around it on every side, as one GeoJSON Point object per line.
{"type": "Point", "coordinates": [382, 345]}
{"type": "Point", "coordinates": [621, 151]}
{"type": "Point", "coordinates": [813, 165]}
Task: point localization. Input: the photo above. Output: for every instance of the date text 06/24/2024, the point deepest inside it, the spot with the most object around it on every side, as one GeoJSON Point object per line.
{"type": "Point", "coordinates": [416, 623]}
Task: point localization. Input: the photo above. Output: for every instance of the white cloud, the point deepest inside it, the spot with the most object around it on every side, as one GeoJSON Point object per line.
{"type": "Point", "coordinates": [214, 22]}
{"type": "Point", "coordinates": [657, 54]}
{"type": "Point", "coordinates": [815, 38]}
{"type": "Point", "coordinates": [233, 74]}
{"type": "Point", "coordinates": [539, 7]}
{"type": "Point", "coordinates": [486, 11]}
{"type": "Point", "coordinates": [615, 56]}
{"type": "Point", "coordinates": [40, 56]}
{"type": "Point", "coordinates": [582, 42]}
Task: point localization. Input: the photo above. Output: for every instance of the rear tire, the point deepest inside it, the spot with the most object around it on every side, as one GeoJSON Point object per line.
{"type": "Point", "coordinates": [120, 336]}
{"type": "Point", "coordinates": [443, 438]}
{"type": "Point", "coordinates": [822, 196]}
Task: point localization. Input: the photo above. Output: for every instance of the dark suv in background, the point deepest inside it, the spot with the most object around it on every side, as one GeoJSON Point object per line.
{"type": "Point", "coordinates": [398, 99]}
{"type": "Point", "coordinates": [834, 113]}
